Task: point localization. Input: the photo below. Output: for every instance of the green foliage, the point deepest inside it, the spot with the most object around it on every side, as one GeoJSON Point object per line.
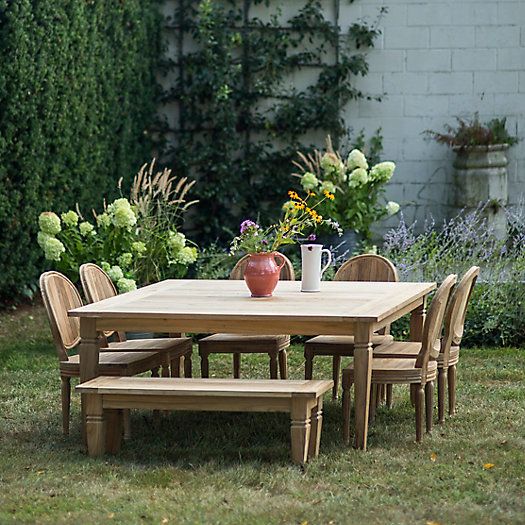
{"type": "Point", "coordinates": [240, 118]}
{"type": "Point", "coordinates": [77, 99]}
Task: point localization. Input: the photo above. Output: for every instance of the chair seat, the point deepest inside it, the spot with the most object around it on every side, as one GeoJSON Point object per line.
{"type": "Point", "coordinates": [409, 350]}
{"type": "Point", "coordinates": [116, 363]}
{"type": "Point", "coordinates": [178, 345]}
{"type": "Point", "coordinates": [233, 343]}
{"type": "Point", "coordinates": [394, 371]}
{"type": "Point", "coordinates": [340, 344]}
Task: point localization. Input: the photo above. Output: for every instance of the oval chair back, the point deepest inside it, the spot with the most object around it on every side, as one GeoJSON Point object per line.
{"type": "Point", "coordinates": [287, 272]}
{"type": "Point", "coordinates": [457, 312]}
{"type": "Point", "coordinates": [434, 325]}
{"type": "Point", "coordinates": [368, 267]}
{"type": "Point", "coordinates": [98, 286]}
{"type": "Point", "coordinates": [60, 295]}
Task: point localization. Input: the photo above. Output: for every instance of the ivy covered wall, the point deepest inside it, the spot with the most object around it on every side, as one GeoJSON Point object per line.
{"type": "Point", "coordinates": [77, 99]}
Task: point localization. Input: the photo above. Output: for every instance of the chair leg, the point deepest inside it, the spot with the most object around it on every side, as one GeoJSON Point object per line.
{"type": "Point", "coordinates": [452, 390]}
{"type": "Point", "coordinates": [389, 395]}
{"type": "Point", "coordinates": [412, 395]}
{"type": "Point", "coordinates": [283, 364]}
{"type": "Point", "coordinates": [273, 365]}
{"type": "Point", "coordinates": [442, 377]}
{"type": "Point", "coordinates": [175, 367]}
{"type": "Point", "coordinates": [373, 403]}
{"type": "Point", "coordinates": [308, 364]}
{"type": "Point", "coordinates": [205, 365]}
{"type": "Point", "coordinates": [336, 370]}
{"type": "Point", "coordinates": [236, 365]}
{"type": "Point", "coordinates": [66, 403]}
{"type": "Point", "coordinates": [429, 404]}
{"type": "Point", "coordinates": [419, 396]}
{"type": "Point", "coordinates": [165, 370]}
{"type": "Point", "coordinates": [187, 365]}
{"type": "Point", "coordinates": [347, 395]}
{"type": "Point", "coordinates": [126, 423]}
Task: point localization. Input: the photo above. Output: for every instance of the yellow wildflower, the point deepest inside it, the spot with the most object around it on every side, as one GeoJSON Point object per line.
{"type": "Point", "coordinates": [329, 195]}
{"type": "Point", "coordinates": [293, 195]}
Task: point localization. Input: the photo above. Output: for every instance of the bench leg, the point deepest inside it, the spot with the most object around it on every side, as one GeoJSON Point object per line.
{"type": "Point", "coordinates": [273, 365]}
{"type": "Point", "coordinates": [175, 367]}
{"type": "Point", "coordinates": [187, 365]}
{"type": "Point", "coordinates": [300, 430]}
{"type": "Point", "coordinates": [205, 365]}
{"type": "Point", "coordinates": [114, 421]}
{"type": "Point", "coordinates": [95, 425]}
{"type": "Point", "coordinates": [316, 427]}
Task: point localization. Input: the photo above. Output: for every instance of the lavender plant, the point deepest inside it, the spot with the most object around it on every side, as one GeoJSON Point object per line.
{"type": "Point", "coordinates": [497, 309]}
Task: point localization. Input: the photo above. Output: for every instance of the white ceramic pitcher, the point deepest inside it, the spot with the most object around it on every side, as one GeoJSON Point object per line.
{"type": "Point", "coordinates": [312, 272]}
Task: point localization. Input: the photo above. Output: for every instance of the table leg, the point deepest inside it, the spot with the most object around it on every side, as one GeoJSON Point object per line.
{"type": "Point", "coordinates": [362, 380]}
{"type": "Point", "coordinates": [89, 355]}
{"type": "Point", "coordinates": [300, 429]}
{"type": "Point", "coordinates": [417, 320]}
{"type": "Point", "coordinates": [316, 427]}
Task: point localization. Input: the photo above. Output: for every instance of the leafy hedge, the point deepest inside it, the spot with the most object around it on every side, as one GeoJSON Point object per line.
{"type": "Point", "coordinates": [77, 98]}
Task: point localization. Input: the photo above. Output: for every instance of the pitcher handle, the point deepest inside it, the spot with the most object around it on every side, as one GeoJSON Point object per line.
{"type": "Point", "coordinates": [327, 251]}
{"type": "Point", "coordinates": [280, 266]}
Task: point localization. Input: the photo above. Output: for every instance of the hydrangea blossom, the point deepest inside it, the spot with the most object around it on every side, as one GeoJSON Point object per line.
{"type": "Point", "coordinates": [105, 266]}
{"type": "Point", "coordinates": [392, 207]}
{"type": "Point", "coordinates": [357, 178]}
{"type": "Point", "coordinates": [125, 259]}
{"type": "Point", "coordinates": [383, 171]}
{"type": "Point", "coordinates": [70, 218]}
{"type": "Point", "coordinates": [356, 159]}
{"type": "Point", "coordinates": [103, 220]}
{"type": "Point", "coordinates": [309, 181]}
{"type": "Point", "coordinates": [176, 241]}
{"type": "Point", "coordinates": [187, 255]}
{"type": "Point", "coordinates": [327, 185]}
{"type": "Point", "coordinates": [53, 248]}
{"type": "Point", "coordinates": [86, 228]}
{"type": "Point", "coordinates": [126, 285]}
{"type": "Point", "coordinates": [49, 223]}
{"type": "Point", "coordinates": [332, 166]}
{"type": "Point", "coordinates": [115, 273]}
{"type": "Point", "coordinates": [122, 214]}
{"type": "Point", "coordinates": [138, 247]}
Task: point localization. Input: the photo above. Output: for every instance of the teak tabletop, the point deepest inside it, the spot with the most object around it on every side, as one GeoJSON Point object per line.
{"type": "Point", "coordinates": [205, 306]}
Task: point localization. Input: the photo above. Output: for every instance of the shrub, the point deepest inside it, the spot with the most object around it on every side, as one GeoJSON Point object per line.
{"type": "Point", "coordinates": [496, 313]}
{"type": "Point", "coordinates": [77, 98]}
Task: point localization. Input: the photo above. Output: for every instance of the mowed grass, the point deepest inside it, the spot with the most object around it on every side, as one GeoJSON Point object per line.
{"type": "Point", "coordinates": [235, 468]}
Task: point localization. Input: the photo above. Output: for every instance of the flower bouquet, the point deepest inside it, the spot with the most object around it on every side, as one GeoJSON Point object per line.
{"type": "Point", "coordinates": [299, 215]}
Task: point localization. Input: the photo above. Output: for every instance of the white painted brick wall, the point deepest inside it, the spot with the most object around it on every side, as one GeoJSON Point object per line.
{"type": "Point", "coordinates": [441, 59]}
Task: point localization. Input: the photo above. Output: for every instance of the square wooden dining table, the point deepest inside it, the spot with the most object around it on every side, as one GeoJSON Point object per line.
{"type": "Point", "coordinates": [211, 306]}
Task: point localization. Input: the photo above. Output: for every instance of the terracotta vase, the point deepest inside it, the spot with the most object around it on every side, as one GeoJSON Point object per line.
{"type": "Point", "coordinates": [262, 273]}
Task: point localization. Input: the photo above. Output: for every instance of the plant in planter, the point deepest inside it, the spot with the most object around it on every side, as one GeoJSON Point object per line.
{"type": "Point", "coordinates": [299, 215]}
{"type": "Point", "coordinates": [134, 241]}
{"type": "Point", "coordinates": [480, 166]}
{"type": "Point", "coordinates": [359, 189]}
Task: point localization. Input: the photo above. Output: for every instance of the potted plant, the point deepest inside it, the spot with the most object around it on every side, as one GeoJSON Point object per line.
{"type": "Point", "coordinates": [298, 215]}
{"type": "Point", "coordinates": [480, 166]}
{"type": "Point", "coordinates": [359, 191]}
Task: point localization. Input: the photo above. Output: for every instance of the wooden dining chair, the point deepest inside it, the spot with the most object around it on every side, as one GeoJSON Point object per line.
{"type": "Point", "coordinates": [273, 345]}
{"type": "Point", "coordinates": [448, 357]}
{"type": "Point", "coordinates": [98, 286]}
{"type": "Point", "coordinates": [368, 267]}
{"type": "Point", "coordinates": [420, 373]}
{"type": "Point", "coordinates": [59, 296]}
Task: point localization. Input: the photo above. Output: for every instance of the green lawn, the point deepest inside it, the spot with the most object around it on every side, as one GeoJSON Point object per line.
{"type": "Point", "coordinates": [235, 468]}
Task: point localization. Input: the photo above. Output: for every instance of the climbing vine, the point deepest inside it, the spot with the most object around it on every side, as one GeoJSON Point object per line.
{"type": "Point", "coordinates": [240, 115]}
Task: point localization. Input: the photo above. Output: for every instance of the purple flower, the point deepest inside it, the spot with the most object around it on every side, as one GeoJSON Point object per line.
{"type": "Point", "coordinates": [264, 242]}
{"type": "Point", "coordinates": [311, 237]}
{"type": "Point", "coordinates": [247, 224]}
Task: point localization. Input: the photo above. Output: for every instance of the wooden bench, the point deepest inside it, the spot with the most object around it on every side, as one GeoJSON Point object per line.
{"type": "Point", "coordinates": [106, 397]}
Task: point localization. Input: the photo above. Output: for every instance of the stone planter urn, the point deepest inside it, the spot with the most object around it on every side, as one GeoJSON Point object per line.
{"type": "Point", "coordinates": [481, 177]}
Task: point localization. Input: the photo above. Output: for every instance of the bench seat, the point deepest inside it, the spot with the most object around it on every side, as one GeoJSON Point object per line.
{"type": "Point", "coordinates": [106, 397]}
